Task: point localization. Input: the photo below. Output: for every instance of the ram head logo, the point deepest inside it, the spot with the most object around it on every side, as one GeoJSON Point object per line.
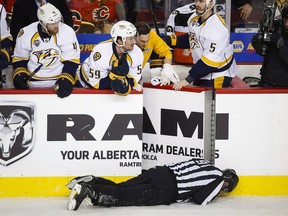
{"type": "Point", "coordinates": [16, 134]}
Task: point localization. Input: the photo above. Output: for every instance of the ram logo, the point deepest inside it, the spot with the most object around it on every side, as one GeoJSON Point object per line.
{"type": "Point", "coordinates": [16, 131]}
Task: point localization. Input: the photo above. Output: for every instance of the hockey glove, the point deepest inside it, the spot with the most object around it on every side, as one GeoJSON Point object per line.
{"type": "Point", "coordinates": [64, 85]}
{"type": "Point", "coordinates": [20, 78]}
{"type": "Point", "coordinates": [4, 59]}
{"type": "Point", "coordinates": [120, 68]}
{"type": "Point", "coordinates": [169, 72]}
{"type": "Point", "coordinates": [120, 87]}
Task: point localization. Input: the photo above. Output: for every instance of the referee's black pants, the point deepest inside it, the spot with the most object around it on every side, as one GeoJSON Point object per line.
{"type": "Point", "coordinates": [155, 186]}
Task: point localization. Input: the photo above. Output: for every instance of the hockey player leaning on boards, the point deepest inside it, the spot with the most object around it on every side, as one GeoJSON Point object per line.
{"type": "Point", "coordinates": [114, 64]}
{"type": "Point", "coordinates": [209, 41]}
{"type": "Point", "coordinates": [194, 180]}
{"type": "Point", "coordinates": [49, 47]}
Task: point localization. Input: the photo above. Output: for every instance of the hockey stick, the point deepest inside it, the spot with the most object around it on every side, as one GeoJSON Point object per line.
{"type": "Point", "coordinates": [35, 71]}
{"type": "Point", "coordinates": [153, 17]}
{"type": "Point", "coordinates": [155, 60]}
{"type": "Point", "coordinates": [45, 63]}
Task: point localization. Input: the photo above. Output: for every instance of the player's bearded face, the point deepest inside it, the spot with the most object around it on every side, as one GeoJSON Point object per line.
{"type": "Point", "coordinates": [53, 28]}
{"type": "Point", "coordinates": [201, 7]}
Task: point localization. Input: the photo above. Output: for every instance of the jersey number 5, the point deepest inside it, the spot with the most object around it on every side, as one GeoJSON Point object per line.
{"type": "Point", "coordinates": [212, 47]}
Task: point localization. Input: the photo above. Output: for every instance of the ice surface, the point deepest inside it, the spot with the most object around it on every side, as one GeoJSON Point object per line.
{"type": "Point", "coordinates": [235, 206]}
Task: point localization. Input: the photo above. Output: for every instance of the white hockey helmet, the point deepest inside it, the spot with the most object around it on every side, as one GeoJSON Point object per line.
{"type": "Point", "coordinates": [122, 29]}
{"type": "Point", "coordinates": [48, 14]}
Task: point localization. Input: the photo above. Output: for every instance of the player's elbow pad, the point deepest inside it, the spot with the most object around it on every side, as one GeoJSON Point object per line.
{"type": "Point", "coordinates": [171, 40]}
{"type": "Point", "coordinates": [181, 41]}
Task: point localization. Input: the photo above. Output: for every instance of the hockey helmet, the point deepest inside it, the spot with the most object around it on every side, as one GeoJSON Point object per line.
{"type": "Point", "coordinates": [48, 14]}
{"type": "Point", "coordinates": [122, 29]}
{"type": "Point", "coordinates": [231, 178]}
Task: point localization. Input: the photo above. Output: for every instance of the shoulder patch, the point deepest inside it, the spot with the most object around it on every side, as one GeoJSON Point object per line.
{"type": "Point", "coordinates": [96, 56]}
{"type": "Point", "coordinates": [21, 32]}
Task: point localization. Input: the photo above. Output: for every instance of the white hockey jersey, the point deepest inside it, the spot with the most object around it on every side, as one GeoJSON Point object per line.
{"type": "Point", "coordinates": [210, 41]}
{"type": "Point", "coordinates": [99, 64]}
{"type": "Point", "coordinates": [51, 53]}
{"type": "Point", "coordinates": [177, 20]}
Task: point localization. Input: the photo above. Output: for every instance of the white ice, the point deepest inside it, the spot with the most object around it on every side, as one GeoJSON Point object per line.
{"type": "Point", "coordinates": [232, 205]}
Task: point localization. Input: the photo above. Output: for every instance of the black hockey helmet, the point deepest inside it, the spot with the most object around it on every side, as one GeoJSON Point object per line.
{"type": "Point", "coordinates": [231, 179]}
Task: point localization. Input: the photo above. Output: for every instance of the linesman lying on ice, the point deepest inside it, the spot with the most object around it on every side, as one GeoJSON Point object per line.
{"type": "Point", "coordinates": [195, 180]}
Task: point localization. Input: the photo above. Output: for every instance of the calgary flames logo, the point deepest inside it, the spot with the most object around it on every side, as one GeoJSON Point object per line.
{"type": "Point", "coordinates": [100, 14]}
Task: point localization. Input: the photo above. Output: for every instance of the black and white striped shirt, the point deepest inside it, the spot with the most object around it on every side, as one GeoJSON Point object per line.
{"type": "Point", "coordinates": [197, 180]}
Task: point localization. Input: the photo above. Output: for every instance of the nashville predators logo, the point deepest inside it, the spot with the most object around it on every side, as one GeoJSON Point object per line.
{"type": "Point", "coordinates": [50, 56]}
{"type": "Point", "coordinates": [100, 14]}
{"type": "Point", "coordinates": [96, 56]}
{"type": "Point", "coordinates": [194, 44]}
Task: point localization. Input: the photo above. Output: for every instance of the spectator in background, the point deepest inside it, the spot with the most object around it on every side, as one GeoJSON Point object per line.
{"type": "Point", "coordinates": [194, 180]}
{"type": "Point", "coordinates": [142, 8]}
{"type": "Point", "coordinates": [49, 46]}
{"type": "Point", "coordinates": [98, 16]}
{"type": "Point", "coordinates": [25, 13]}
{"type": "Point", "coordinates": [6, 40]}
{"type": "Point", "coordinates": [244, 6]}
{"type": "Point", "coordinates": [130, 11]}
{"type": "Point", "coordinates": [275, 62]}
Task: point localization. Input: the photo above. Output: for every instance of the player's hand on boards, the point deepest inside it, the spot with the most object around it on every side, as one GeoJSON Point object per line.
{"type": "Point", "coordinates": [138, 87]}
{"type": "Point", "coordinates": [64, 85]}
{"type": "Point", "coordinates": [20, 78]}
{"type": "Point", "coordinates": [180, 84]}
{"type": "Point", "coordinates": [164, 80]}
